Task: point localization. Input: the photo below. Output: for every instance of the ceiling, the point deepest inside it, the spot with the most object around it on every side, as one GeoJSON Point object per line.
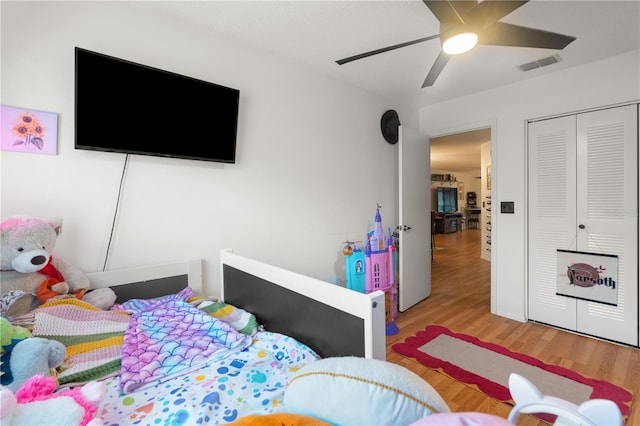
{"type": "Point", "coordinates": [459, 153]}
{"type": "Point", "coordinates": [315, 34]}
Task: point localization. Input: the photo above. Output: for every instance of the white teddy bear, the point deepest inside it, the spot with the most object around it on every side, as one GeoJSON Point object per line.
{"type": "Point", "coordinates": [30, 273]}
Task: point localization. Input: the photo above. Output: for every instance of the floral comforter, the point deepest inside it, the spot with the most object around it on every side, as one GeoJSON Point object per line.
{"type": "Point", "coordinates": [171, 363]}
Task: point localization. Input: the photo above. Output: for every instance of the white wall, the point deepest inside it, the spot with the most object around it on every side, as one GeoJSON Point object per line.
{"type": "Point", "coordinates": [301, 184]}
{"type": "Point", "coordinates": [593, 85]}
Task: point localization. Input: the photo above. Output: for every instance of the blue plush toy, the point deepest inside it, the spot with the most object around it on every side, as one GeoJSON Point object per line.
{"type": "Point", "coordinates": [24, 356]}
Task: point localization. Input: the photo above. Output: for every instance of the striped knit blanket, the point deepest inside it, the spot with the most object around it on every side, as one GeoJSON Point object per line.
{"type": "Point", "coordinates": [97, 341]}
{"type": "Point", "coordinates": [93, 338]}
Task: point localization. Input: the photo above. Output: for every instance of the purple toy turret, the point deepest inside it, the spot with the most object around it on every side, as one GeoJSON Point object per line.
{"type": "Point", "coordinates": [379, 274]}
{"type": "Point", "coordinates": [377, 241]}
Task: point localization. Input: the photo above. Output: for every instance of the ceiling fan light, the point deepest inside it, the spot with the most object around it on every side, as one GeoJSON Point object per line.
{"type": "Point", "coordinates": [460, 43]}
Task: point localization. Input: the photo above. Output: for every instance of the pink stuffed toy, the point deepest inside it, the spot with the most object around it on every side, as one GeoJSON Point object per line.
{"type": "Point", "coordinates": [35, 403]}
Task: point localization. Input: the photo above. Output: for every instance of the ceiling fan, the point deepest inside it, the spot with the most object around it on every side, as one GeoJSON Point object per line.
{"type": "Point", "coordinates": [475, 22]}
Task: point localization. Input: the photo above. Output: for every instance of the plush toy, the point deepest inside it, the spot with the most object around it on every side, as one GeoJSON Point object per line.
{"type": "Point", "coordinates": [34, 356]}
{"type": "Point", "coordinates": [35, 404]}
{"type": "Point", "coordinates": [30, 274]}
{"type": "Point", "coordinates": [11, 334]}
{"type": "Point", "coordinates": [24, 356]}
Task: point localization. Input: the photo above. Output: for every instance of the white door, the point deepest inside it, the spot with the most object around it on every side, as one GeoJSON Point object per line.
{"type": "Point", "coordinates": [583, 196]}
{"type": "Point", "coordinates": [552, 216]}
{"type": "Point", "coordinates": [607, 214]}
{"type": "Point", "coordinates": [414, 256]}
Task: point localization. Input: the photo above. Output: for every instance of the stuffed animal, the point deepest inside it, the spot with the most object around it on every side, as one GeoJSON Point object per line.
{"type": "Point", "coordinates": [24, 356]}
{"type": "Point", "coordinates": [35, 404]}
{"type": "Point", "coordinates": [30, 274]}
{"type": "Point", "coordinates": [34, 356]}
{"type": "Point", "coordinates": [11, 334]}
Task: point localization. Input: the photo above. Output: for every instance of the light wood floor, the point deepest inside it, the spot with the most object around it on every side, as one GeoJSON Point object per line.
{"type": "Point", "coordinates": [460, 300]}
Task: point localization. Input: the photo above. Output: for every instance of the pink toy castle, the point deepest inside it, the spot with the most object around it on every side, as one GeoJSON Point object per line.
{"type": "Point", "coordinates": [379, 270]}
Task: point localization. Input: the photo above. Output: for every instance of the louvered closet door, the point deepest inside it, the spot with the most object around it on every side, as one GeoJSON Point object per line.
{"type": "Point", "coordinates": [552, 216]}
{"type": "Point", "coordinates": [583, 195]}
{"type": "Point", "coordinates": [608, 208]}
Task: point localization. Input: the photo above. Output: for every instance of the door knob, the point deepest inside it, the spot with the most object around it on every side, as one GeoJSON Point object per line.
{"type": "Point", "coordinates": [581, 226]}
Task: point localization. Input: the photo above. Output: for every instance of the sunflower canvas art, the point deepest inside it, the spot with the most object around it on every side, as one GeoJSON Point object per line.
{"type": "Point", "coordinates": [25, 130]}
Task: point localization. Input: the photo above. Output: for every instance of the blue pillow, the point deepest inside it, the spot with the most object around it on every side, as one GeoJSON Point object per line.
{"type": "Point", "coordinates": [359, 391]}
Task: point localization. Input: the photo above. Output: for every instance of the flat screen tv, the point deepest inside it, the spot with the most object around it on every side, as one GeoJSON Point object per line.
{"type": "Point", "coordinates": [447, 200]}
{"type": "Point", "coordinates": [122, 106]}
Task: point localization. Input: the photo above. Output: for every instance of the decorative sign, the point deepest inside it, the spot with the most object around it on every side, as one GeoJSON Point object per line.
{"type": "Point", "coordinates": [588, 276]}
{"type": "Point", "coordinates": [26, 130]}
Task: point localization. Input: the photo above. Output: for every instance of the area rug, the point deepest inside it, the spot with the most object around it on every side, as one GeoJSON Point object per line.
{"type": "Point", "coordinates": [487, 366]}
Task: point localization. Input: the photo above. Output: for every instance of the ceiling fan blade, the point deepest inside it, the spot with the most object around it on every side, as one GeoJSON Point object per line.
{"type": "Point", "coordinates": [436, 69]}
{"type": "Point", "coordinates": [384, 49]}
{"type": "Point", "coordinates": [501, 34]}
{"type": "Point", "coordinates": [490, 11]}
{"type": "Point", "coordinates": [449, 11]}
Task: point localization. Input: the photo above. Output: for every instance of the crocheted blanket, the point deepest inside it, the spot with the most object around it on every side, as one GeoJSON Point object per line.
{"type": "Point", "coordinates": [168, 336]}
{"type": "Point", "coordinates": [93, 338]}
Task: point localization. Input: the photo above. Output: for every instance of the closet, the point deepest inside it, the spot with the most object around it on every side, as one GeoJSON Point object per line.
{"type": "Point", "coordinates": [583, 199]}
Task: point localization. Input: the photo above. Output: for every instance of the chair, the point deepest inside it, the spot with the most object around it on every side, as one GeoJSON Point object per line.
{"type": "Point", "coordinates": [473, 218]}
{"type": "Point", "coordinates": [528, 399]}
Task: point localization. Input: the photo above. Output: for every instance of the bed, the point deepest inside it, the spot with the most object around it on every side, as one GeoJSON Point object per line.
{"type": "Point", "coordinates": [276, 348]}
{"type": "Point", "coordinates": [301, 320]}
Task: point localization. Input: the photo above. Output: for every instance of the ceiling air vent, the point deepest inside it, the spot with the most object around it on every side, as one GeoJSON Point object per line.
{"type": "Point", "coordinates": [539, 63]}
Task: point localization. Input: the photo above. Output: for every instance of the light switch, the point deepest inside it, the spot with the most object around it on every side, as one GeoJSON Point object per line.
{"type": "Point", "coordinates": [507, 207]}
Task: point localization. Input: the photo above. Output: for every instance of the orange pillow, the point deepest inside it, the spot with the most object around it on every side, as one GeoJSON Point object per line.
{"type": "Point", "coordinates": [279, 419]}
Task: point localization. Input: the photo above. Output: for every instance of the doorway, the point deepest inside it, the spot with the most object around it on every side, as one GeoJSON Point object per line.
{"type": "Point", "coordinates": [462, 160]}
